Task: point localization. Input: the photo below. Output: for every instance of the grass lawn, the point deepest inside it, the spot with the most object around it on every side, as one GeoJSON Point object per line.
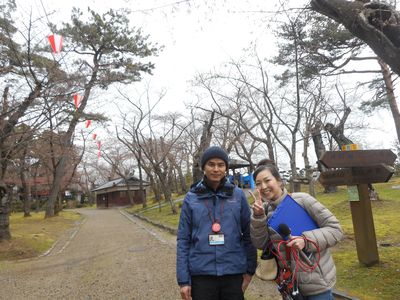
{"type": "Point", "coordinates": [370, 283]}
{"type": "Point", "coordinates": [34, 235]}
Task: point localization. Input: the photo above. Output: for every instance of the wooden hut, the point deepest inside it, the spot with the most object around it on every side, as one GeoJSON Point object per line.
{"type": "Point", "coordinates": [115, 192]}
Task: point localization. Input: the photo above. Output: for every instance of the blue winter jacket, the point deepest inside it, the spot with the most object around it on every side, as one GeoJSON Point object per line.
{"type": "Point", "coordinates": [228, 205]}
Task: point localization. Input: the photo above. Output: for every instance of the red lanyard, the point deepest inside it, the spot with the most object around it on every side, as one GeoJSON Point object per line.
{"type": "Point", "coordinates": [215, 225]}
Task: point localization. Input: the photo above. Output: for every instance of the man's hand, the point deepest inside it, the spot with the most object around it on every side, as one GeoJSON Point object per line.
{"type": "Point", "coordinates": [186, 292]}
{"type": "Point", "coordinates": [246, 281]}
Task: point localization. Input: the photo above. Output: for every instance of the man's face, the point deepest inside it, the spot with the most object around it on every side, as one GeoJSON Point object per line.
{"type": "Point", "coordinates": [215, 169]}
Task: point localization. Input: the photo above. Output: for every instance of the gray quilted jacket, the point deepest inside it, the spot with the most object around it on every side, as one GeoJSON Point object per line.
{"type": "Point", "coordinates": [327, 235]}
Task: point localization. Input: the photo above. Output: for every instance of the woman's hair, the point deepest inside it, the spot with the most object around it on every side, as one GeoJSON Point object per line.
{"type": "Point", "coordinates": [265, 161]}
{"type": "Point", "coordinates": [267, 164]}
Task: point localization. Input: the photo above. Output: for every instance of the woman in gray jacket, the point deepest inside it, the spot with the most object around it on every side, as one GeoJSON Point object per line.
{"type": "Point", "coordinates": [315, 283]}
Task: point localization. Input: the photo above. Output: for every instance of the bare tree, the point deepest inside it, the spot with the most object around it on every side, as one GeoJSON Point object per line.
{"type": "Point", "coordinates": [236, 106]}
{"type": "Point", "coordinates": [134, 121]}
{"type": "Point", "coordinates": [245, 147]}
{"type": "Point", "coordinates": [151, 142]}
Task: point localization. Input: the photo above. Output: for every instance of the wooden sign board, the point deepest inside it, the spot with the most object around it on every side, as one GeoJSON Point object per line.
{"type": "Point", "coordinates": [357, 158]}
{"type": "Point", "coordinates": [357, 175]}
{"type": "Point", "coordinates": [360, 167]}
{"type": "Point", "coordinates": [335, 177]}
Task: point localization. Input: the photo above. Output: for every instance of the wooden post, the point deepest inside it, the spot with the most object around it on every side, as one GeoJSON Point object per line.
{"type": "Point", "coordinates": [360, 167]}
{"type": "Point", "coordinates": [364, 230]}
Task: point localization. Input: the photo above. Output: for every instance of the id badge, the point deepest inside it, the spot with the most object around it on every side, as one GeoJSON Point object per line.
{"type": "Point", "coordinates": [215, 239]}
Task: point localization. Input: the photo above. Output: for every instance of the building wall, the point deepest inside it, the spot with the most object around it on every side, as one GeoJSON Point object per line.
{"type": "Point", "coordinates": [118, 198]}
{"type": "Point", "coordinates": [102, 200]}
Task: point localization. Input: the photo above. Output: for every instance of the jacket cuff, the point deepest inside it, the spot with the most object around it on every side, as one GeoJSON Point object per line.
{"type": "Point", "coordinates": [251, 273]}
{"type": "Point", "coordinates": [182, 284]}
{"type": "Point", "coordinates": [258, 220]}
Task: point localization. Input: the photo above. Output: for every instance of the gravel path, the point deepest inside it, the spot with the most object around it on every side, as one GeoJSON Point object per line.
{"type": "Point", "coordinates": [110, 255]}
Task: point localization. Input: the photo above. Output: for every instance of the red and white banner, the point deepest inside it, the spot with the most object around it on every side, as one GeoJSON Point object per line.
{"type": "Point", "coordinates": [77, 100]}
{"type": "Point", "coordinates": [56, 42]}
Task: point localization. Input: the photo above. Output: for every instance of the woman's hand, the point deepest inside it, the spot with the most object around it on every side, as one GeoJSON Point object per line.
{"type": "Point", "coordinates": [297, 242]}
{"type": "Point", "coordinates": [258, 207]}
{"type": "Point", "coordinates": [186, 292]}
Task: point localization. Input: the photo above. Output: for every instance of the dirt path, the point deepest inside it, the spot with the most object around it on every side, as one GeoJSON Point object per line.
{"type": "Point", "coordinates": [110, 255]}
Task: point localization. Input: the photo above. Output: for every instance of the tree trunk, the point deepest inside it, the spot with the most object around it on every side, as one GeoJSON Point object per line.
{"type": "Point", "coordinates": [128, 191]}
{"type": "Point", "coordinates": [156, 189]}
{"type": "Point", "coordinates": [319, 150]}
{"type": "Point", "coordinates": [26, 197]}
{"type": "Point", "coordinates": [307, 166]}
{"type": "Point", "coordinates": [295, 185]}
{"type": "Point", "coordinates": [337, 131]}
{"type": "Point", "coordinates": [173, 180]}
{"type": "Point", "coordinates": [164, 174]}
{"type": "Point", "coordinates": [58, 204]}
{"type": "Point", "coordinates": [294, 182]}
{"type": "Point", "coordinates": [204, 144]}
{"type": "Point", "coordinates": [270, 147]}
{"type": "Point", "coordinates": [4, 212]}
{"type": "Point", "coordinates": [141, 192]}
{"type": "Point", "coordinates": [92, 199]}
{"type": "Point", "coordinates": [166, 188]}
{"type": "Point", "coordinates": [26, 188]}
{"type": "Point", "coordinates": [4, 203]}
{"type": "Point", "coordinates": [387, 77]}
{"type": "Point", "coordinates": [55, 188]}
{"type": "Point", "coordinates": [182, 180]}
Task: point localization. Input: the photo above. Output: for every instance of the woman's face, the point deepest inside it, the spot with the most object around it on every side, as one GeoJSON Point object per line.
{"type": "Point", "coordinates": [269, 187]}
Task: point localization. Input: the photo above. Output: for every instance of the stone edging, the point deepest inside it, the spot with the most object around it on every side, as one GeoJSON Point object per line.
{"type": "Point", "coordinates": [165, 227]}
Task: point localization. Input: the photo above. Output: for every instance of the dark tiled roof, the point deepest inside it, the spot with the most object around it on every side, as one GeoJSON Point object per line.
{"type": "Point", "coordinates": [132, 181]}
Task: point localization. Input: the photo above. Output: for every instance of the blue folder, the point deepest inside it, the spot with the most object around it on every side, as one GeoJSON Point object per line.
{"type": "Point", "coordinates": [293, 215]}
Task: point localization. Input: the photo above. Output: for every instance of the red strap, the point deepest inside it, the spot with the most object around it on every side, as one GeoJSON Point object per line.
{"type": "Point", "coordinates": [287, 249]}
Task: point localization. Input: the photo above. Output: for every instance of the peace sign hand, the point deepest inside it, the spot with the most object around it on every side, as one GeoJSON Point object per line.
{"type": "Point", "coordinates": [258, 207]}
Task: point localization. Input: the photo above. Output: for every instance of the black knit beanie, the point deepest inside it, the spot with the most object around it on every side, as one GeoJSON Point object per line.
{"type": "Point", "coordinates": [214, 152]}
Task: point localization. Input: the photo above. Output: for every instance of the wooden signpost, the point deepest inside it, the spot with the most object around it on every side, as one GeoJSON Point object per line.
{"type": "Point", "coordinates": [357, 158]}
{"type": "Point", "coordinates": [357, 175]}
{"type": "Point", "coordinates": [360, 167]}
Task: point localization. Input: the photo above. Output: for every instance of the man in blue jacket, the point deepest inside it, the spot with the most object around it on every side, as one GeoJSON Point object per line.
{"type": "Point", "coordinates": [215, 257]}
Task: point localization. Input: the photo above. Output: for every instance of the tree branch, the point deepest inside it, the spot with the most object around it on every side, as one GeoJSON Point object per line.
{"type": "Point", "coordinates": [353, 15]}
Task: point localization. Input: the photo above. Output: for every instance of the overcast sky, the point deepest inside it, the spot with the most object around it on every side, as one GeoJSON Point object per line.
{"type": "Point", "coordinates": [197, 37]}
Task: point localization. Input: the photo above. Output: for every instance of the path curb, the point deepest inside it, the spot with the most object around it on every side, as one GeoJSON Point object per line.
{"type": "Point", "coordinates": [165, 227]}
